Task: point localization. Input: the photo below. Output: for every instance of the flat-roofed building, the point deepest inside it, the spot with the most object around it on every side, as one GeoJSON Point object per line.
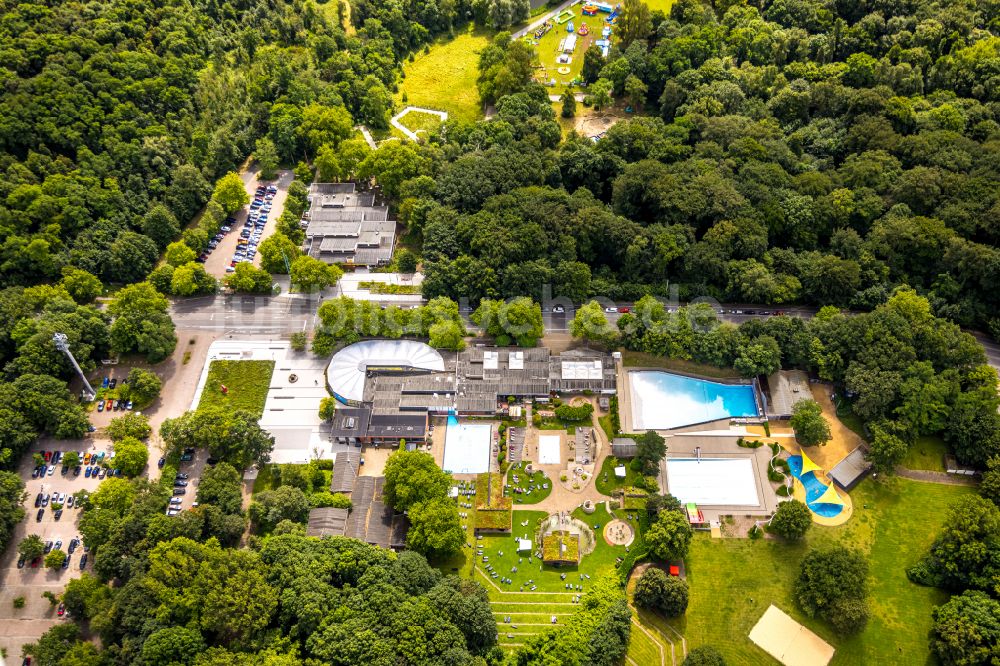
{"type": "Point", "coordinates": [346, 227]}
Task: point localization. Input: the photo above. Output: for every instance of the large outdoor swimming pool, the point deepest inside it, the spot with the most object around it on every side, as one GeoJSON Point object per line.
{"type": "Point", "coordinates": [663, 400]}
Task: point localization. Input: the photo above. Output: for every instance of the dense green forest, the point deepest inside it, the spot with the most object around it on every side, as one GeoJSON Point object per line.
{"type": "Point", "coordinates": [802, 151]}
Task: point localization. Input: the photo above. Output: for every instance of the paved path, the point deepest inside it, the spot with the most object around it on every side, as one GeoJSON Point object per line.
{"type": "Point", "coordinates": [542, 19]}
{"type": "Point", "coordinates": [368, 136]}
{"type": "Point", "coordinates": [935, 477]}
{"type": "Point", "coordinates": [410, 134]}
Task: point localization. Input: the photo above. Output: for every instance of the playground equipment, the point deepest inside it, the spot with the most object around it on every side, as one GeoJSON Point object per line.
{"type": "Point", "coordinates": [569, 27]}
{"type": "Point", "coordinates": [590, 10]}
{"type": "Point", "coordinates": [563, 70]}
{"type": "Point", "coordinates": [564, 15]}
{"type": "Point", "coordinates": [542, 29]}
{"type": "Point", "coordinates": [584, 30]}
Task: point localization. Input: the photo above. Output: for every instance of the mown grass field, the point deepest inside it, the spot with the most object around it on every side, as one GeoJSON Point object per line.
{"type": "Point", "coordinates": [926, 453]}
{"type": "Point", "coordinates": [733, 581]}
{"type": "Point", "coordinates": [445, 78]}
{"type": "Point", "coordinates": [525, 497]}
{"type": "Point", "coordinates": [247, 382]}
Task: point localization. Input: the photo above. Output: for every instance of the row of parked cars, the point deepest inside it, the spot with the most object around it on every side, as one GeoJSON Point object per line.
{"type": "Point", "coordinates": [93, 464]}
{"type": "Point", "coordinates": [74, 543]}
{"type": "Point", "coordinates": [253, 228]}
{"type": "Point", "coordinates": [213, 243]}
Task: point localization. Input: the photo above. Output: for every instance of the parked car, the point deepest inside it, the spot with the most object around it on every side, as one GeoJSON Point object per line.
{"type": "Point", "coordinates": [86, 472]}
{"type": "Point", "coordinates": [57, 545]}
{"type": "Point", "coordinates": [114, 383]}
{"type": "Point", "coordinates": [181, 476]}
{"type": "Point", "coordinates": [180, 491]}
{"type": "Point", "coordinates": [69, 502]}
{"type": "Point", "coordinates": [39, 515]}
{"type": "Point", "coordinates": [21, 561]}
{"type": "Point", "coordinates": [187, 457]}
{"type": "Point", "coordinates": [161, 462]}
{"type": "Point", "coordinates": [83, 561]}
{"type": "Point", "coordinates": [128, 405]}
{"type": "Point", "coordinates": [108, 403]}
{"type": "Point", "coordinates": [62, 607]}
{"type": "Point", "coordinates": [58, 514]}
{"type": "Point", "coordinates": [38, 500]}
{"type": "Point", "coordinates": [73, 543]}
{"type": "Point", "coordinates": [65, 565]}
{"type": "Point", "coordinates": [48, 547]}
{"type": "Point", "coordinates": [100, 406]}
{"type": "Point", "coordinates": [105, 382]}
{"type": "Point", "coordinates": [76, 471]}
{"type": "Point", "coordinates": [176, 500]}
{"type": "Point", "coordinates": [52, 470]}
{"type": "Point", "coordinates": [180, 483]}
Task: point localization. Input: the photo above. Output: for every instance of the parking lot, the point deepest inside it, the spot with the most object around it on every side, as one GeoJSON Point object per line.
{"type": "Point", "coordinates": [30, 581]}
{"type": "Point", "coordinates": [258, 223]}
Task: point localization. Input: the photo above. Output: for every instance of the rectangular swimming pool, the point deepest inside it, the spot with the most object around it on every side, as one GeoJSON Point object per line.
{"type": "Point", "coordinates": [467, 447]}
{"type": "Point", "coordinates": [663, 400]}
{"type": "Point", "coordinates": [713, 481]}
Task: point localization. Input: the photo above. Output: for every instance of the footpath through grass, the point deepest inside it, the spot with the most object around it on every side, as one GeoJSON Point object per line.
{"type": "Point", "coordinates": [445, 77]}
{"type": "Point", "coordinates": [733, 581]}
{"type": "Point", "coordinates": [247, 383]}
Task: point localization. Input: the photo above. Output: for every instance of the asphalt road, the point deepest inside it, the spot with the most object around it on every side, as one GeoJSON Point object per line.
{"type": "Point", "coordinates": [287, 313]}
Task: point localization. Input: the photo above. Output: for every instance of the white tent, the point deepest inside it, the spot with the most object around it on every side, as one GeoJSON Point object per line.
{"type": "Point", "coordinates": [523, 545]}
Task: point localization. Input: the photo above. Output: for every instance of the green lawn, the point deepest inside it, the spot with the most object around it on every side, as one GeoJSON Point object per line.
{"type": "Point", "coordinates": [247, 382]}
{"type": "Point", "coordinates": [527, 497]}
{"type": "Point", "coordinates": [734, 580]}
{"type": "Point", "coordinates": [632, 359]}
{"type": "Point", "coordinates": [417, 121]}
{"type": "Point", "coordinates": [445, 78]}
{"type": "Point", "coordinates": [607, 483]}
{"type": "Point", "coordinates": [532, 611]}
{"type": "Point", "coordinates": [547, 48]}
{"type": "Point", "coordinates": [926, 453]}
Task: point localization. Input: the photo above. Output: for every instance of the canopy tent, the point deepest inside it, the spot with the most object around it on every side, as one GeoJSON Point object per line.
{"type": "Point", "coordinates": [523, 545]}
{"type": "Point", "coordinates": [829, 497]}
{"type": "Point", "coordinates": [808, 465]}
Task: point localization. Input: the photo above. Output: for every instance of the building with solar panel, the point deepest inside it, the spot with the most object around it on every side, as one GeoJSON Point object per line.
{"type": "Point", "coordinates": [346, 227]}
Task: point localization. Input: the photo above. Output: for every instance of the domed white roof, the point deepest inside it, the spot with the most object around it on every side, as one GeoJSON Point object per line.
{"type": "Point", "coordinates": [348, 367]}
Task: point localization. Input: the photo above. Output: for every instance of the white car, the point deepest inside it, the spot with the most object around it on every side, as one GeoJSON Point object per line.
{"type": "Point", "coordinates": [611, 309]}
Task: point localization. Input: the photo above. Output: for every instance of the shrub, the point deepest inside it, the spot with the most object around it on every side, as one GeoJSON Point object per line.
{"type": "Point", "coordinates": [661, 592]}
{"type": "Point", "coordinates": [774, 475]}
{"type": "Point", "coordinates": [705, 655]}
{"type": "Point", "coordinates": [569, 413]}
{"type": "Point", "coordinates": [792, 519]}
{"type": "Point", "coordinates": [19, 602]}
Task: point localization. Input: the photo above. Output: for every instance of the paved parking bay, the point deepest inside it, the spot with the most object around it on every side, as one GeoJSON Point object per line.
{"type": "Point", "coordinates": [222, 255]}
{"type": "Point", "coordinates": [26, 624]}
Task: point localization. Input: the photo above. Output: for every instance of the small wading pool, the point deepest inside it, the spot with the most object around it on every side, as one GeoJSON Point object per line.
{"type": "Point", "coordinates": [663, 400]}
{"type": "Point", "coordinates": [713, 481]}
{"type": "Point", "coordinates": [814, 489]}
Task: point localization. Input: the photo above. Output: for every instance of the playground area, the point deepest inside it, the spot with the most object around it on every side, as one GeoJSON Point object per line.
{"type": "Point", "coordinates": [562, 40]}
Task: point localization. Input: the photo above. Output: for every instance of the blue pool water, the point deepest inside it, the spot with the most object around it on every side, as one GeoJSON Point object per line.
{"type": "Point", "coordinates": [814, 489]}
{"type": "Point", "coordinates": [663, 400]}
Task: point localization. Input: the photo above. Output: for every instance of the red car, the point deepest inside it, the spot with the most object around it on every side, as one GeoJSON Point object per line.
{"type": "Point", "coordinates": [61, 610]}
{"type": "Point", "coordinates": [624, 310]}
{"type": "Point", "coordinates": [47, 455]}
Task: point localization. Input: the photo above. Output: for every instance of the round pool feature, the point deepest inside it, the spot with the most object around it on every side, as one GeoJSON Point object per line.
{"type": "Point", "coordinates": [814, 490]}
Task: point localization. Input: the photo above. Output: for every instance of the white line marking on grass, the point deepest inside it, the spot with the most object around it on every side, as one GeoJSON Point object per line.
{"type": "Point", "coordinates": [659, 645]}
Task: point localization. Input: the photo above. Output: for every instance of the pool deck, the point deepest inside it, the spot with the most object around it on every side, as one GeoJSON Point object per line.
{"type": "Point", "coordinates": [720, 445]}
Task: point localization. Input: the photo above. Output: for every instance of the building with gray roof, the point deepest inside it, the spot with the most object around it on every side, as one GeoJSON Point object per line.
{"type": "Point", "coordinates": [851, 470]}
{"type": "Point", "coordinates": [346, 227]}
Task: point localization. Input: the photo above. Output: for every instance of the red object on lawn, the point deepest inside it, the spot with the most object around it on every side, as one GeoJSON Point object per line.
{"type": "Point", "coordinates": [675, 570]}
{"type": "Point", "coordinates": [224, 389]}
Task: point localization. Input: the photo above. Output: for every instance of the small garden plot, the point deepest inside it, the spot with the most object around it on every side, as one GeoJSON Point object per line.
{"type": "Point", "coordinates": [526, 488]}
{"type": "Point", "coordinates": [233, 385]}
{"type": "Point", "coordinates": [493, 508]}
{"type": "Point", "coordinates": [561, 548]}
{"type": "Point", "coordinates": [608, 483]}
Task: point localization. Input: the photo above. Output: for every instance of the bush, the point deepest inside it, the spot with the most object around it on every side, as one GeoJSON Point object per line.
{"type": "Point", "coordinates": [19, 602]}
{"type": "Point", "coordinates": [774, 475]}
{"type": "Point", "coordinates": [571, 414]}
{"type": "Point", "coordinates": [129, 425]}
{"type": "Point", "coordinates": [658, 591]}
{"type": "Point", "coordinates": [783, 491]}
{"type": "Point", "coordinates": [704, 656]}
{"type": "Point", "coordinates": [833, 584]}
{"type": "Point", "coordinates": [299, 340]}
{"type": "Point", "coordinates": [792, 520]}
